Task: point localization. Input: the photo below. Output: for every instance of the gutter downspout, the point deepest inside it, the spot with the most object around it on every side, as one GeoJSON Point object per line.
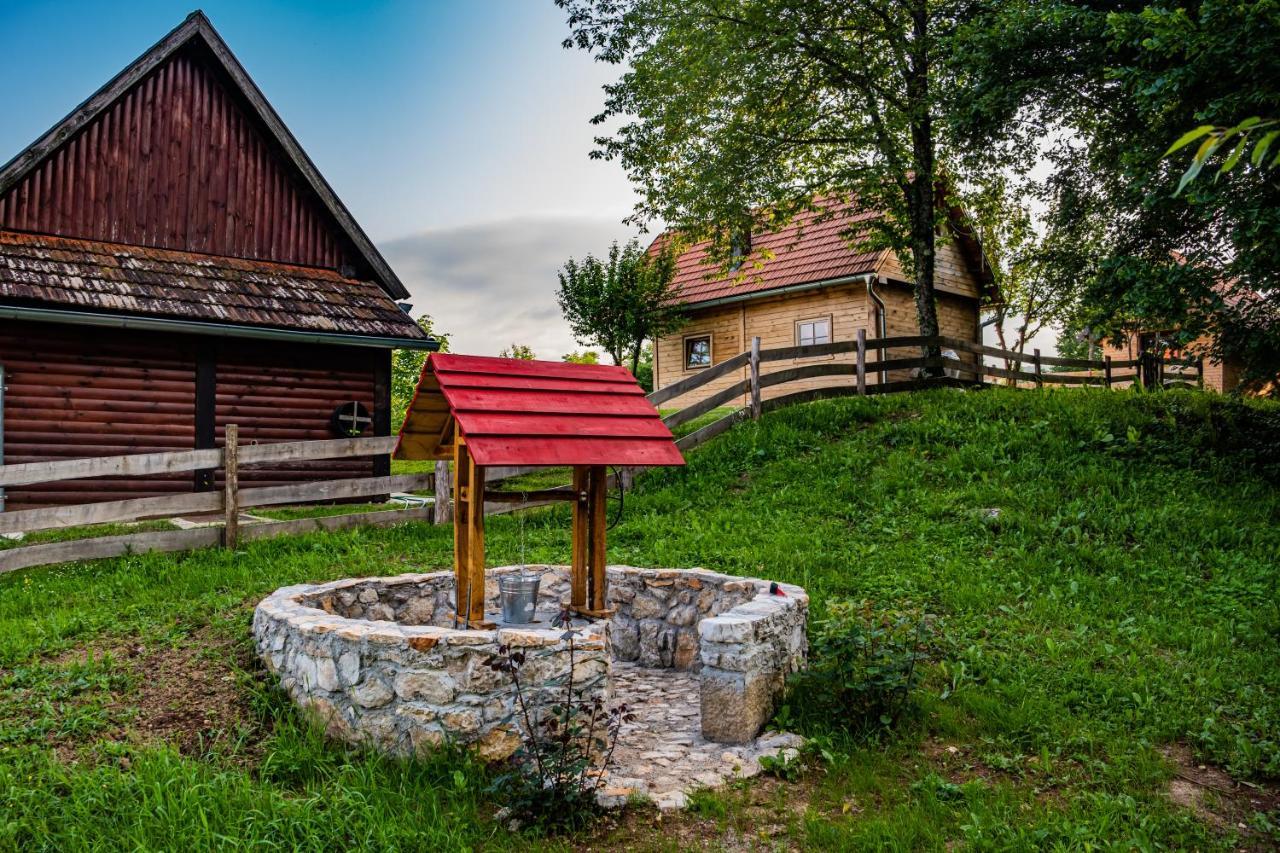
{"type": "Point", "coordinates": [882, 330]}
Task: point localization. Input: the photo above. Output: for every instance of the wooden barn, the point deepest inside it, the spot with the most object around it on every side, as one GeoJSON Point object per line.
{"type": "Point", "coordinates": [172, 262]}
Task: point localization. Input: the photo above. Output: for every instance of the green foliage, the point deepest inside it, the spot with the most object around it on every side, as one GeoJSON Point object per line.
{"type": "Point", "coordinates": [1212, 139]}
{"type": "Point", "coordinates": [864, 663]}
{"type": "Point", "coordinates": [1098, 91]}
{"type": "Point", "coordinates": [406, 367]}
{"type": "Point", "coordinates": [553, 781]}
{"type": "Point", "coordinates": [644, 367]}
{"type": "Point", "coordinates": [520, 351]}
{"type": "Point", "coordinates": [588, 357]}
{"type": "Point", "coordinates": [734, 118]}
{"type": "Point", "coordinates": [619, 303]}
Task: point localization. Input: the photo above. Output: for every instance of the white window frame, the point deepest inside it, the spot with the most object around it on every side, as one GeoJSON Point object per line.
{"type": "Point", "coordinates": [684, 351]}
{"type": "Point", "coordinates": [825, 318]}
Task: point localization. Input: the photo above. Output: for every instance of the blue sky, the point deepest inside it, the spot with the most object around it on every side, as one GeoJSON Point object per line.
{"type": "Point", "coordinates": [456, 132]}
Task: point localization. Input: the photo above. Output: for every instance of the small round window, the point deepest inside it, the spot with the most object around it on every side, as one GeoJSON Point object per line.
{"type": "Point", "coordinates": [350, 420]}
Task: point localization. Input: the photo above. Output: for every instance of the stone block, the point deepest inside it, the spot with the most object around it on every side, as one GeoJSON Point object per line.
{"type": "Point", "coordinates": [735, 706]}
{"type": "Point", "coordinates": [429, 685]}
{"type": "Point", "coordinates": [349, 667]}
{"type": "Point", "coordinates": [373, 693]}
{"type": "Point", "coordinates": [726, 629]}
{"type": "Point", "coordinates": [647, 606]}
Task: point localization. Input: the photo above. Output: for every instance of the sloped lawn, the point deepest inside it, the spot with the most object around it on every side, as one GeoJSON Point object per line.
{"type": "Point", "coordinates": [1102, 567]}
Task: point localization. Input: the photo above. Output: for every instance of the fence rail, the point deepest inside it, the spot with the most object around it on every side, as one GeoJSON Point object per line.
{"type": "Point", "coordinates": [229, 501]}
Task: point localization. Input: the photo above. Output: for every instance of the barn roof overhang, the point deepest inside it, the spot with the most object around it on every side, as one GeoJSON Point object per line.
{"type": "Point", "coordinates": [225, 330]}
{"type": "Point", "coordinates": [529, 413]}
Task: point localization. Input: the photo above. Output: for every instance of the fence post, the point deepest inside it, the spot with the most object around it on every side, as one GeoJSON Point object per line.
{"type": "Point", "coordinates": [862, 362]}
{"type": "Point", "coordinates": [444, 491]}
{"type": "Point", "coordinates": [1200, 374]}
{"type": "Point", "coordinates": [1035, 362]}
{"type": "Point", "coordinates": [231, 486]}
{"type": "Point", "coordinates": [1106, 372]}
{"type": "Point", "coordinates": [755, 378]}
{"type": "Point", "coordinates": [1159, 371]}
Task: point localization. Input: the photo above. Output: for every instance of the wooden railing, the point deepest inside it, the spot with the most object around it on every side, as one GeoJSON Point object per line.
{"type": "Point", "coordinates": [1104, 372]}
{"type": "Point", "coordinates": [228, 501]}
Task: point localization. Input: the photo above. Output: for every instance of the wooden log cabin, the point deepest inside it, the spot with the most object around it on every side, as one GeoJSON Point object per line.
{"type": "Point", "coordinates": [171, 262]}
{"type": "Point", "coordinates": [806, 284]}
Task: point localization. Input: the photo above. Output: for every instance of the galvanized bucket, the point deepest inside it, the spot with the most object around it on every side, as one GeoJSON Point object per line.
{"type": "Point", "coordinates": [519, 594]}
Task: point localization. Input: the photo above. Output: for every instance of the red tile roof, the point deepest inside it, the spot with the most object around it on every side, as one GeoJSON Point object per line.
{"type": "Point", "coordinates": [56, 272]}
{"type": "Point", "coordinates": [515, 412]}
{"type": "Point", "coordinates": [804, 252]}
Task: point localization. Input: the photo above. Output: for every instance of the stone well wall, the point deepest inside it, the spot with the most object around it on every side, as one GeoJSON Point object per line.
{"type": "Point", "coordinates": [742, 639]}
{"type": "Point", "coordinates": [377, 661]}
{"type": "Point", "coordinates": [410, 685]}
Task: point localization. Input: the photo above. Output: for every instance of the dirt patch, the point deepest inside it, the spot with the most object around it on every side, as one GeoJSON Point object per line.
{"type": "Point", "coordinates": [757, 817]}
{"type": "Point", "coordinates": [187, 695]}
{"type": "Point", "coordinates": [1215, 798]}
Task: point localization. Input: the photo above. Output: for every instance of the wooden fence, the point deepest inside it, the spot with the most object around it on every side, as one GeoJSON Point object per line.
{"type": "Point", "coordinates": [1147, 370]}
{"type": "Point", "coordinates": [228, 501]}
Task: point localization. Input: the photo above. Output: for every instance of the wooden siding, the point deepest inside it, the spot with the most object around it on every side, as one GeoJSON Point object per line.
{"type": "Point", "coordinates": [178, 162]}
{"type": "Point", "coordinates": [773, 319]}
{"type": "Point", "coordinates": [278, 394]}
{"type": "Point", "coordinates": [76, 392]}
{"type": "Point", "coordinates": [951, 272]}
{"type": "Point", "coordinates": [1218, 375]}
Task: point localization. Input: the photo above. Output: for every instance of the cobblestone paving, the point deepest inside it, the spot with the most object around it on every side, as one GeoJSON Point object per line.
{"type": "Point", "coordinates": [661, 755]}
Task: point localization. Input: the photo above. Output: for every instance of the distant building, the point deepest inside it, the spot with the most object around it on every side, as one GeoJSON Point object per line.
{"type": "Point", "coordinates": [804, 285]}
{"type": "Point", "coordinates": [172, 262]}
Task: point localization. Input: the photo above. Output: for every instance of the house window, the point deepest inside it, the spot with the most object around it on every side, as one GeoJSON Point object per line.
{"type": "Point", "coordinates": [810, 332]}
{"type": "Point", "coordinates": [697, 352]}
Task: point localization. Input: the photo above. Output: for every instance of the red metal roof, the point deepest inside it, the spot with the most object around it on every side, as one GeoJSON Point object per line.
{"type": "Point", "coordinates": [804, 251]}
{"type": "Point", "coordinates": [515, 412]}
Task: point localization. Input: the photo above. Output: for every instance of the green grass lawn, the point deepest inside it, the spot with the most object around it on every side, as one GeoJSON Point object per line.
{"type": "Point", "coordinates": [1111, 628]}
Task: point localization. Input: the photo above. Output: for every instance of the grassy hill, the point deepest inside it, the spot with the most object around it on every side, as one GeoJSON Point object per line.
{"type": "Point", "coordinates": [1102, 569]}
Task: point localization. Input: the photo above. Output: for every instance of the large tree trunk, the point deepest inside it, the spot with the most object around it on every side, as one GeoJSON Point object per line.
{"type": "Point", "coordinates": [921, 199]}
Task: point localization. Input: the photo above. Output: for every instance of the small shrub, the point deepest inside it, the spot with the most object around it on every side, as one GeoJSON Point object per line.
{"type": "Point", "coordinates": [863, 666]}
{"type": "Point", "coordinates": [554, 777]}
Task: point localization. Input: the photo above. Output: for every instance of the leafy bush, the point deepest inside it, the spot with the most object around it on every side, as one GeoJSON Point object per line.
{"type": "Point", "coordinates": [554, 777]}
{"type": "Point", "coordinates": [864, 664]}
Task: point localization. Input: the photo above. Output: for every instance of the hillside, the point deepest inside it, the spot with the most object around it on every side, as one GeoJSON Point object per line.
{"type": "Point", "coordinates": [1101, 567]}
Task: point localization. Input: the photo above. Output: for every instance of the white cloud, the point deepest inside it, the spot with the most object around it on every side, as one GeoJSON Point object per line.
{"type": "Point", "coordinates": [493, 284]}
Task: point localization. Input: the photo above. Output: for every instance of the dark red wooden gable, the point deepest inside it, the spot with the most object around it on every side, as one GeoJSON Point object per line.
{"type": "Point", "coordinates": [514, 412]}
{"type": "Point", "coordinates": [178, 162]}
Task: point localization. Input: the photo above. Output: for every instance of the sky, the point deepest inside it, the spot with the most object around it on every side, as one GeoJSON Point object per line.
{"type": "Point", "coordinates": [457, 133]}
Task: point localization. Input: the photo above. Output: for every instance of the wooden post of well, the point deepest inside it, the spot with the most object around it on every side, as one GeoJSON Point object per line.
{"type": "Point", "coordinates": [1035, 361]}
{"type": "Point", "coordinates": [578, 560]}
{"type": "Point", "coordinates": [475, 548]}
{"type": "Point", "coordinates": [444, 488]}
{"type": "Point", "coordinates": [755, 381]}
{"type": "Point", "coordinates": [599, 478]}
{"type": "Point", "coordinates": [1106, 372]}
{"type": "Point", "coordinates": [461, 527]}
{"type": "Point", "coordinates": [231, 486]}
{"type": "Point", "coordinates": [862, 361]}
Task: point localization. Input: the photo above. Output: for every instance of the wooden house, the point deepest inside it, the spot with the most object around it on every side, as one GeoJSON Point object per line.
{"type": "Point", "coordinates": [804, 284]}
{"type": "Point", "coordinates": [172, 262]}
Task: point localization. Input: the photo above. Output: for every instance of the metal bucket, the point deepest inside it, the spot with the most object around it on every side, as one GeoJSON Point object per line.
{"type": "Point", "coordinates": [519, 594]}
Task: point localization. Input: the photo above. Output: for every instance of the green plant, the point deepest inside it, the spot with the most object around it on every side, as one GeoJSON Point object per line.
{"type": "Point", "coordinates": [554, 777]}
{"type": "Point", "coordinates": [864, 664]}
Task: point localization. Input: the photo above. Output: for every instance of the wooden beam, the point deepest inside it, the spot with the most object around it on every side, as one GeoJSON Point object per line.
{"type": "Point", "coordinates": [444, 492]}
{"type": "Point", "coordinates": [461, 525]}
{"type": "Point", "coordinates": [578, 561]}
{"type": "Point", "coordinates": [596, 551]}
{"type": "Point", "coordinates": [475, 548]}
{"type": "Point", "coordinates": [560, 494]}
{"type": "Point", "coordinates": [231, 485]}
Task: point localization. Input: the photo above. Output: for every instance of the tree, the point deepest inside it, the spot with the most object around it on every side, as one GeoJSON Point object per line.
{"type": "Point", "coordinates": [406, 367]}
{"type": "Point", "coordinates": [588, 357]}
{"type": "Point", "coordinates": [620, 303]}
{"type": "Point", "coordinates": [644, 368]}
{"type": "Point", "coordinates": [1109, 85]}
{"type": "Point", "coordinates": [739, 116]}
{"type": "Point", "coordinates": [520, 351]}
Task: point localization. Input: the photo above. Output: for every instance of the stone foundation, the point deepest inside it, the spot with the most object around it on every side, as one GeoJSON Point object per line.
{"type": "Point", "coordinates": [377, 661]}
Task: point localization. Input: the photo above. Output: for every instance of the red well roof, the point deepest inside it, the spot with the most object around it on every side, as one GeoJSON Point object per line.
{"type": "Point", "coordinates": [514, 412]}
